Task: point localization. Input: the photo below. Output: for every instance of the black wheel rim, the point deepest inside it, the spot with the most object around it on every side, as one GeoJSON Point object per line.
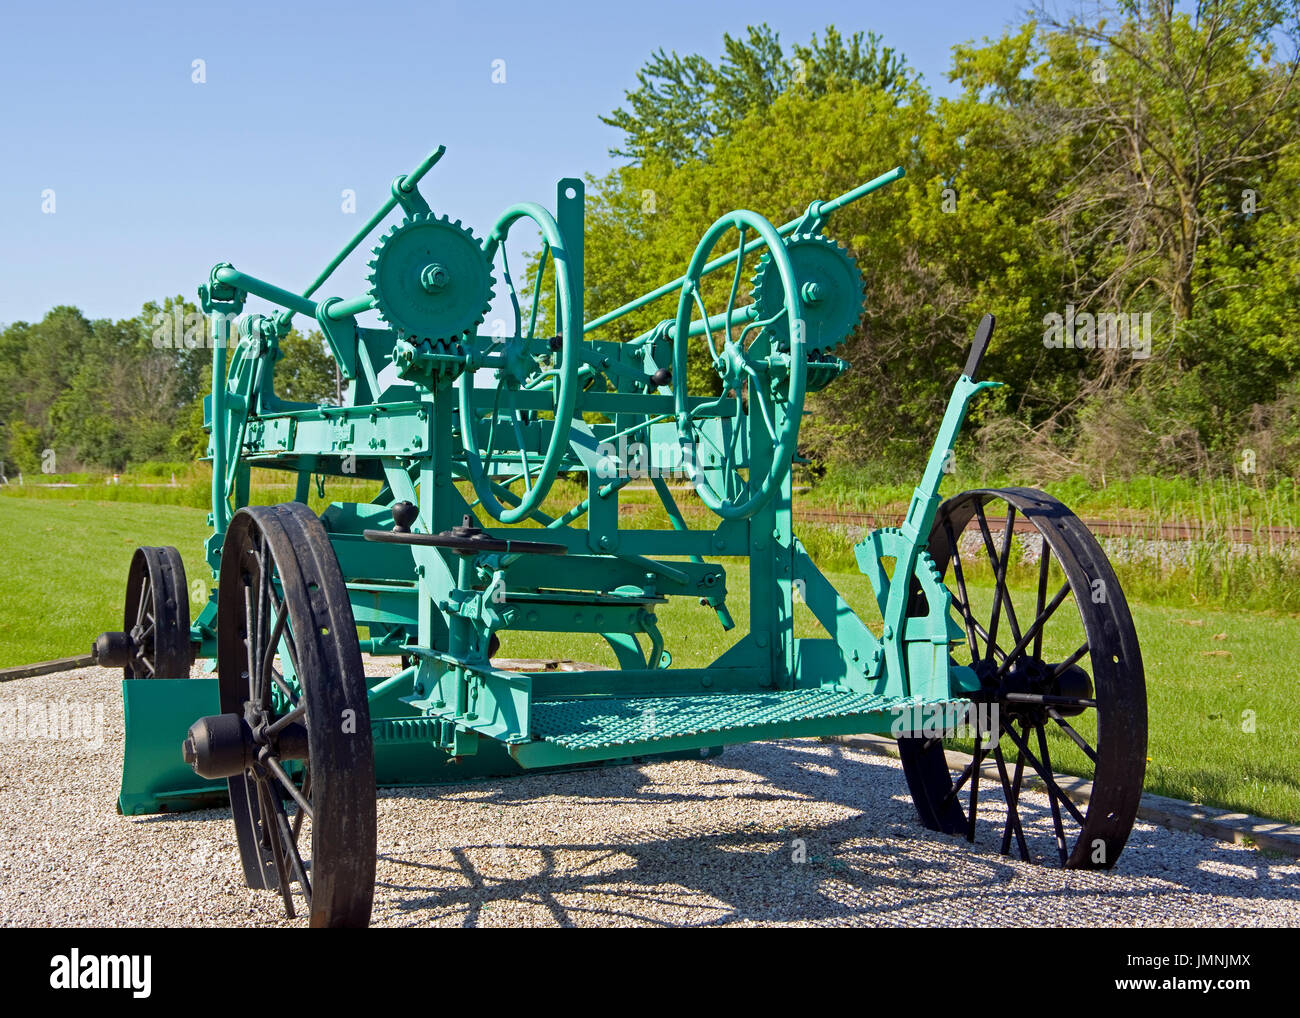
{"type": "Point", "coordinates": [305, 810]}
{"type": "Point", "coordinates": [1064, 683]}
{"type": "Point", "coordinates": [156, 616]}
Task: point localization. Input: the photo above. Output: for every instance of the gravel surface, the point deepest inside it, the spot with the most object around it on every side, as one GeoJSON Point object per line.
{"type": "Point", "coordinates": [715, 842]}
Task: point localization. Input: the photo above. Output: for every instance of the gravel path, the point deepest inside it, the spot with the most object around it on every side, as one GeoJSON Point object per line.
{"type": "Point", "coordinates": [690, 843]}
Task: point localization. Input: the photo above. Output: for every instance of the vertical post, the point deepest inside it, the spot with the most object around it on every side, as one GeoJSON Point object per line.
{"type": "Point", "coordinates": [220, 323]}
{"type": "Point", "coordinates": [570, 216]}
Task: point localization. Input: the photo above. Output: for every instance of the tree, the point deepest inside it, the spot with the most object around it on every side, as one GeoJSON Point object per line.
{"type": "Point", "coordinates": [1179, 113]}
{"type": "Point", "coordinates": [305, 371]}
{"type": "Point", "coordinates": [682, 105]}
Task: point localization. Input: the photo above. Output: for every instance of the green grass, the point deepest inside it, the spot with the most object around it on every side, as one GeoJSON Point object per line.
{"type": "Point", "coordinates": [66, 565]}
{"type": "Point", "coordinates": [1253, 500]}
{"type": "Point", "coordinates": [65, 568]}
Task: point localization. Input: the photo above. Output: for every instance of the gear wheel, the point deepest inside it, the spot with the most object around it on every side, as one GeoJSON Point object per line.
{"type": "Point", "coordinates": [892, 543]}
{"type": "Point", "coordinates": [833, 312]}
{"type": "Point", "coordinates": [430, 279]}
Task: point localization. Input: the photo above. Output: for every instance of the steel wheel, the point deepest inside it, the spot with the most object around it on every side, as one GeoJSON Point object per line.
{"type": "Point", "coordinates": [156, 617]}
{"type": "Point", "coordinates": [1063, 683]}
{"type": "Point", "coordinates": [310, 782]}
{"type": "Point", "coordinates": [502, 439]}
{"type": "Point", "coordinates": [763, 369]}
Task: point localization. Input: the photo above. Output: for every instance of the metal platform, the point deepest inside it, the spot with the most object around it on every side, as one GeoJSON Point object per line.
{"type": "Point", "coordinates": [601, 722]}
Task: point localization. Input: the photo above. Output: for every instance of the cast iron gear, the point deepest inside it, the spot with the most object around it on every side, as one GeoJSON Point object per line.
{"type": "Point", "coordinates": [430, 279]}
{"type": "Point", "coordinates": [832, 285]}
{"type": "Point", "coordinates": [927, 581]}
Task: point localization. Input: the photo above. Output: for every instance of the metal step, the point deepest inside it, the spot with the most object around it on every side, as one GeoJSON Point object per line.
{"type": "Point", "coordinates": [600, 722]}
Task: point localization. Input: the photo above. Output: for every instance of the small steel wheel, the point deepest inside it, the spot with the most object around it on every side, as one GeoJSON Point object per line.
{"type": "Point", "coordinates": [156, 619]}
{"type": "Point", "coordinates": [1059, 683]}
{"type": "Point", "coordinates": [290, 666]}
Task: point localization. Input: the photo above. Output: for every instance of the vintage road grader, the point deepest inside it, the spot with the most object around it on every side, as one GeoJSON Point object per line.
{"type": "Point", "coordinates": [464, 434]}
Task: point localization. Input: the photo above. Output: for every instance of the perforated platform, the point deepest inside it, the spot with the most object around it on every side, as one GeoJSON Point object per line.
{"type": "Point", "coordinates": [600, 723]}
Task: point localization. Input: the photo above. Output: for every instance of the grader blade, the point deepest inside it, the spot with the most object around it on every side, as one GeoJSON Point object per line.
{"type": "Point", "coordinates": [155, 777]}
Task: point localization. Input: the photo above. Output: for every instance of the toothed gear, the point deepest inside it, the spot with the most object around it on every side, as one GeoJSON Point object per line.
{"type": "Point", "coordinates": [430, 279]}
{"type": "Point", "coordinates": [816, 259]}
{"type": "Point", "coordinates": [892, 543]}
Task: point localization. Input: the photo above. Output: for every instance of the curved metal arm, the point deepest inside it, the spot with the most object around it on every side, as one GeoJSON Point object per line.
{"type": "Point", "coordinates": [567, 389]}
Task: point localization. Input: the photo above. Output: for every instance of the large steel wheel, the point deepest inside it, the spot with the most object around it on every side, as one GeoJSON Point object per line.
{"type": "Point", "coordinates": [156, 618]}
{"type": "Point", "coordinates": [763, 369]}
{"type": "Point", "coordinates": [1060, 671]}
{"type": "Point", "coordinates": [289, 664]}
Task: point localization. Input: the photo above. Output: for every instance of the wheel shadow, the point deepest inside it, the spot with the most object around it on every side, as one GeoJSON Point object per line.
{"type": "Point", "coordinates": [813, 833]}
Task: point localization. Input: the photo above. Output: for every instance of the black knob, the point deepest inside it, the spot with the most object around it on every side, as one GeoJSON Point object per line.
{"type": "Point", "coordinates": [661, 377]}
{"type": "Point", "coordinates": [404, 514]}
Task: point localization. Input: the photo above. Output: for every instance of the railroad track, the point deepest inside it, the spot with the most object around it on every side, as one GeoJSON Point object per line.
{"type": "Point", "coordinates": [1102, 528]}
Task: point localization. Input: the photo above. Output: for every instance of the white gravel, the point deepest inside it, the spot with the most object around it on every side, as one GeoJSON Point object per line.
{"type": "Point", "coordinates": [695, 843]}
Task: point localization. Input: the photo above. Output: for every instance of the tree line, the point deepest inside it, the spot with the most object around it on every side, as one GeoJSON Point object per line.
{"type": "Point", "coordinates": [1134, 169]}
{"type": "Point", "coordinates": [78, 393]}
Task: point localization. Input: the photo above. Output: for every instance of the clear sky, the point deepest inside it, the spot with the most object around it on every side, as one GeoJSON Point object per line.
{"type": "Point", "coordinates": [156, 177]}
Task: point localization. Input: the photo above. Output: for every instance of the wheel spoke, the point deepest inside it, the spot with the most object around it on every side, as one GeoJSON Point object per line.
{"type": "Point", "coordinates": [1056, 810]}
{"type": "Point", "coordinates": [1034, 632]}
{"type": "Point", "coordinates": [976, 760]}
{"type": "Point", "coordinates": [959, 575]}
{"type": "Point", "coordinates": [289, 848]}
{"type": "Point", "coordinates": [285, 688]}
{"type": "Point", "coordinates": [263, 686]}
{"type": "Point", "coordinates": [250, 638]}
{"type": "Point", "coordinates": [1065, 665]}
{"type": "Point", "coordinates": [518, 427]}
{"type": "Point", "coordinates": [1079, 740]}
{"type": "Point", "coordinates": [1049, 700]}
{"type": "Point", "coordinates": [999, 562]}
{"type": "Point", "coordinates": [996, 650]}
{"type": "Point", "coordinates": [1011, 791]}
{"type": "Point", "coordinates": [283, 777]}
{"type": "Point", "coordinates": [1043, 773]}
{"type": "Point", "coordinates": [269, 834]}
{"type": "Point", "coordinates": [959, 783]}
{"type": "Point", "coordinates": [280, 724]}
{"type": "Point", "coordinates": [306, 790]}
{"type": "Point", "coordinates": [1044, 560]}
{"type": "Point", "coordinates": [146, 595]}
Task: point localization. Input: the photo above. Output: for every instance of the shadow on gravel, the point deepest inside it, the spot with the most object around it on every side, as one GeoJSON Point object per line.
{"type": "Point", "coordinates": [874, 866]}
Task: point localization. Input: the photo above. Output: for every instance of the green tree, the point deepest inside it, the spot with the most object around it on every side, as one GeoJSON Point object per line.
{"type": "Point", "coordinates": [683, 104]}
{"type": "Point", "coordinates": [305, 370]}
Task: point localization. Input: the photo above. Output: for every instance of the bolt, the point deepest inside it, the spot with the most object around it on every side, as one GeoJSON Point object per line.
{"type": "Point", "coordinates": [434, 278]}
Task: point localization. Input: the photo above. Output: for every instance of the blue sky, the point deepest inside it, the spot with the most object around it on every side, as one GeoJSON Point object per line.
{"type": "Point", "coordinates": [156, 178]}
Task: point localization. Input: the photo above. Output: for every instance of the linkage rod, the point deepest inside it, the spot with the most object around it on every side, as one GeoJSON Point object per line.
{"type": "Point", "coordinates": [723, 260]}
{"type": "Point", "coordinates": [407, 185]}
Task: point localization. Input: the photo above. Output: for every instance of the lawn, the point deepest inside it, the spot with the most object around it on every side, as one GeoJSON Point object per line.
{"type": "Point", "coordinates": [1224, 727]}
{"type": "Point", "coordinates": [65, 565]}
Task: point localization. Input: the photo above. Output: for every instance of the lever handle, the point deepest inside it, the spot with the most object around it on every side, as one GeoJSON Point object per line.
{"type": "Point", "coordinates": [983, 333]}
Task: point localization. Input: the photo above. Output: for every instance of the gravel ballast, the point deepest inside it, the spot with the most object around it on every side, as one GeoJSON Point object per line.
{"type": "Point", "coordinates": [800, 832]}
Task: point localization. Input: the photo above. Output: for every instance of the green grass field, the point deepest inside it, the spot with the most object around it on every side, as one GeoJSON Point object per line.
{"type": "Point", "coordinates": [1211, 675]}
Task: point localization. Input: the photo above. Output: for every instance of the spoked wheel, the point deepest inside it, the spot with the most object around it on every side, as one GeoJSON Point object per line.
{"type": "Point", "coordinates": [1060, 676]}
{"type": "Point", "coordinates": [304, 801]}
{"type": "Point", "coordinates": [762, 370]}
{"type": "Point", "coordinates": [155, 639]}
{"type": "Point", "coordinates": [527, 367]}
